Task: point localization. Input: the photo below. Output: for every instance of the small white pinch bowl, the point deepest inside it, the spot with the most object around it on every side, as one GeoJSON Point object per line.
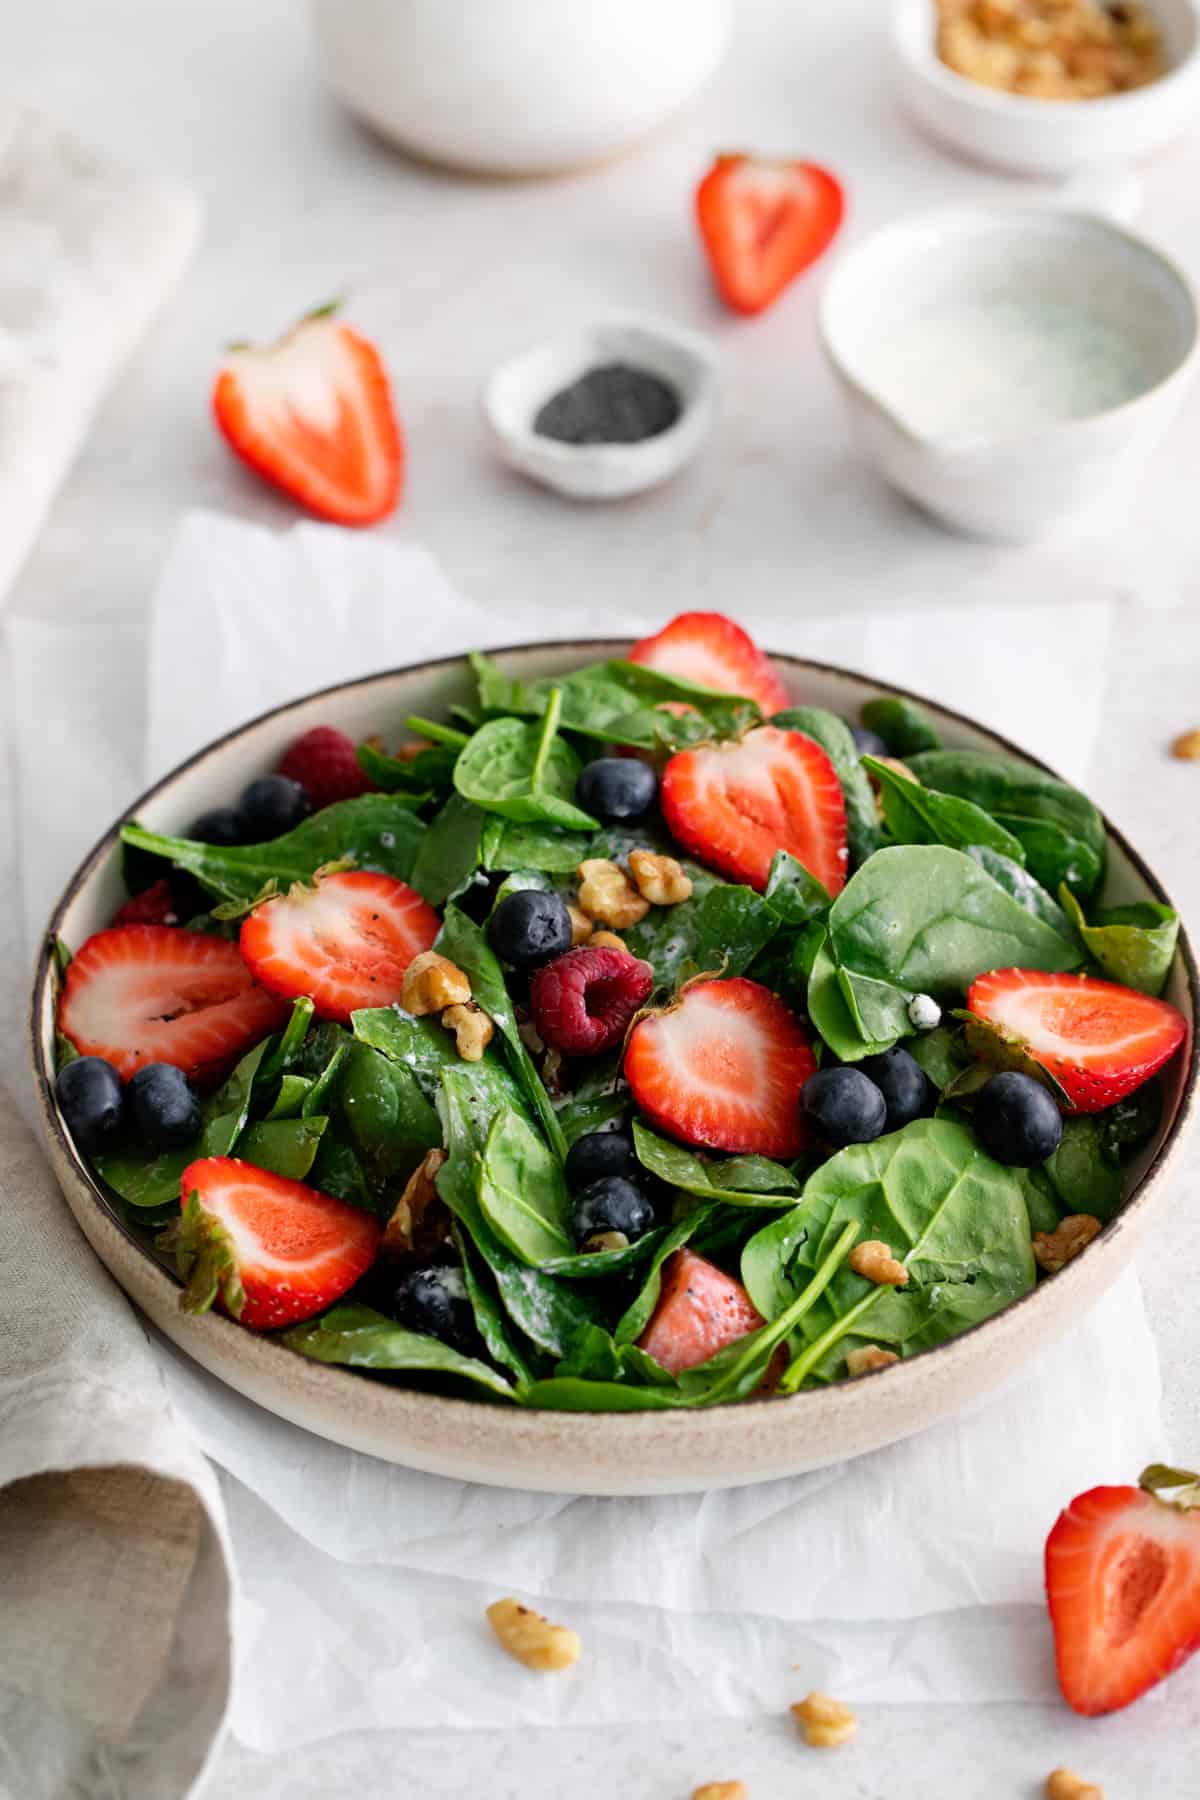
{"type": "Point", "coordinates": [1047, 137]}
{"type": "Point", "coordinates": [1024, 484]}
{"type": "Point", "coordinates": [512, 396]}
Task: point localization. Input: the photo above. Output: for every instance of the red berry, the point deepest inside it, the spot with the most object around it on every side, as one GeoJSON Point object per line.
{"type": "Point", "coordinates": [584, 1001]}
{"type": "Point", "coordinates": [155, 905]}
{"type": "Point", "coordinates": [323, 761]}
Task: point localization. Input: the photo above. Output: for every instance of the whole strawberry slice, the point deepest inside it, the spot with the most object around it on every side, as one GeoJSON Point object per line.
{"type": "Point", "coordinates": [325, 763]}
{"type": "Point", "coordinates": [313, 415]}
{"type": "Point", "coordinates": [1099, 1040]}
{"type": "Point", "coordinates": [713, 650]}
{"type": "Point", "coordinates": [723, 1068]}
{"type": "Point", "coordinates": [763, 223]}
{"type": "Point", "coordinates": [271, 1251]}
{"type": "Point", "coordinates": [1123, 1586]}
{"type": "Point", "coordinates": [345, 941]}
{"type": "Point", "coordinates": [699, 1311]}
{"type": "Point", "coordinates": [138, 994]}
{"type": "Point", "coordinates": [734, 805]}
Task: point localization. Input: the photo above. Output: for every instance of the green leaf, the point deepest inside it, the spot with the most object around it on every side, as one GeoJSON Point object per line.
{"type": "Point", "coordinates": [904, 726]}
{"type": "Point", "coordinates": [490, 1321]}
{"type": "Point", "coordinates": [60, 955]}
{"type": "Point", "coordinates": [289, 1101]}
{"type": "Point", "coordinates": [523, 1192]}
{"type": "Point", "coordinates": [290, 1040]}
{"type": "Point", "coordinates": [285, 1147]}
{"type": "Point", "coordinates": [497, 771]}
{"type": "Point", "coordinates": [449, 853]}
{"type": "Point", "coordinates": [1132, 1122]}
{"type": "Point", "coordinates": [360, 1338]}
{"type": "Point", "coordinates": [733, 1181]}
{"type": "Point", "coordinates": [794, 896]}
{"type": "Point", "coordinates": [580, 1115]}
{"type": "Point", "coordinates": [920, 815]}
{"type": "Point", "coordinates": [430, 771]}
{"type": "Point", "coordinates": [833, 735]}
{"type": "Point", "coordinates": [510, 844]}
{"type": "Point", "coordinates": [637, 1315]}
{"type": "Point", "coordinates": [831, 1015]}
{"type": "Point", "coordinates": [375, 832]}
{"type": "Point", "coordinates": [1083, 1177]}
{"type": "Point", "coordinates": [423, 1046]}
{"type": "Point", "coordinates": [1134, 944]}
{"type": "Point", "coordinates": [593, 1265]}
{"type": "Point", "coordinates": [719, 930]}
{"type": "Point", "coordinates": [387, 1119]}
{"type": "Point", "coordinates": [578, 1394]}
{"type": "Point", "coordinates": [621, 703]}
{"type": "Point", "coordinates": [1016, 880]}
{"type": "Point", "coordinates": [437, 733]}
{"type": "Point", "coordinates": [941, 1053]}
{"type": "Point", "coordinates": [1060, 830]}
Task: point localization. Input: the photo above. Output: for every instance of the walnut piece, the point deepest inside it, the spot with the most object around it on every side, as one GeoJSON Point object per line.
{"type": "Point", "coordinates": [530, 1638]}
{"type": "Point", "coordinates": [404, 1228]}
{"type": "Point", "coordinates": [473, 1030]}
{"type": "Point", "coordinates": [659, 879]}
{"type": "Point", "coordinates": [874, 1261]}
{"type": "Point", "coordinates": [607, 895]}
{"type": "Point", "coordinates": [581, 925]}
{"type": "Point", "coordinates": [1065, 1784]}
{"type": "Point", "coordinates": [605, 1240]}
{"type": "Point", "coordinates": [606, 940]}
{"type": "Point", "coordinates": [825, 1723]}
{"type": "Point", "coordinates": [1053, 1250]}
{"type": "Point", "coordinates": [720, 1790]}
{"type": "Point", "coordinates": [1187, 747]}
{"type": "Point", "coordinates": [868, 1358]}
{"type": "Point", "coordinates": [432, 982]}
{"type": "Point", "coordinates": [1052, 49]}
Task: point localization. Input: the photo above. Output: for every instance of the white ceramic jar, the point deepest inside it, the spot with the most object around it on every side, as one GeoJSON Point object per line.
{"type": "Point", "coordinates": [518, 87]}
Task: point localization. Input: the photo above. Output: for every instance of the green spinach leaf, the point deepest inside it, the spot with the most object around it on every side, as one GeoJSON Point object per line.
{"type": "Point", "coordinates": [511, 844]}
{"type": "Point", "coordinates": [921, 815]}
{"type": "Point", "coordinates": [1082, 1176]}
{"type": "Point", "coordinates": [1132, 1122]}
{"type": "Point", "coordinates": [1134, 944]}
{"type": "Point", "coordinates": [361, 1338]}
{"type": "Point", "coordinates": [490, 1321]}
{"type": "Point", "coordinates": [523, 1192]}
{"type": "Point", "coordinates": [740, 1180]}
{"type": "Point", "coordinates": [1062, 832]}
{"type": "Point", "coordinates": [449, 853]}
{"type": "Point", "coordinates": [285, 1147]}
{"type": "Point", "coordinates": [622, 703]}
{"type": "Point", "coordinates": [1016, 880]}
{"type": "Point", "coordinates": [904, 726]}
{"type": "Point", "coordinates": [523, 772]}
{"type": "Point", "coordinates": [833, 735]}
{"type": "Point", "coordinates": [429, 772]}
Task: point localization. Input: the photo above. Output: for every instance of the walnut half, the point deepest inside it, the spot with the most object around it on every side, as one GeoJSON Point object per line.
{"type": "Point", "coordinates": [404, 1229]}
{"type": "Point", "coordinates": [825, 1723]}
{"type": "Point", "coordinates": [875, 1262]}
{"type": "Point", "coordinates": [431, 983]}
{"type": "Point", "coordinates": [660, 879]}
{"type": "Point", "coordinates": [607, 895]}
{"type": "Point", "coordinates": [1064, 1784]}
{"type": "Point", "coordinates": [473, 1030]}
{"type": "Point", "coordinates": [1053, 1250]}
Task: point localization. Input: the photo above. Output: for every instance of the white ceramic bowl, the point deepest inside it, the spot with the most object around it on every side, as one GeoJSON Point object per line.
{"type": "Point", "coordinates": [1047, 137]}
{"type": "Point", "coordinates": [518, 87]}
{"type": "Point", "coordinates": [1025, 484]}
{"type": "Point", "coordinates": [519, 387]}
{"type": "Point", "coordinates": [626, 1453]}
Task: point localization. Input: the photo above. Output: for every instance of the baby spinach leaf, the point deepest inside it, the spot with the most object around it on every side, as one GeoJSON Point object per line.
{"type": "Point", "coordinates": [523, 1192]}
{"type": "Point", "coordinates": [430, 771]}
{"type": "Point", "coordinates": [621, 703]}
{"type": "Point", "coordinates": [423, 1046]}
{"type": "Point", "coordinates": [574, 1393]}
{"type": "Point", "coordinates": [1134, 944]}
{"type": "Point", "coordinates": [768, 1258]}
{"type": "Point", "coordinates": [1016, 880]}
{"type": "Point", "coordinates": [1081, 1174]}
{"type": "Point", "coordinates": [904, 726]}
{"type": "Point", "coordinates": [1132, 1122]}
{"type": "Point", "coordinates": [719, 930]}
{"type": "Point", "coordinates": [386, 1117]}
{"type": "Point", "coordinates": [285, 1147]}
{"type": "Point", "coordinates": [920, 815]}
{"type": "Point", "coordinates": [337, 1169]}
{"type": "Point", "coordinates": [636, 1316]}
{"type": "Point", "coordinates": [833, 735]}
{"type": "Point", "coordinates": [437, 733]}
{"type": "Point", "coordinates": [592, 1265]}
{"type": "Point", "coordinates": [739, 1180]}
{"type": "Point", "coordinates": [1041, 1199]}
{"type": "Point", "coordinates": [516, 770]}
{"type": "Point", "coordinates": [1062, 833]}
{"type": "Point", "coordinates": [374, 832]}
{"type": "Point", "coordinates": [511, 844]}
{"type": "Point", "coordinates": [941, 1053]}
{"type": "Point", "coordinates": [361, 1338]}
{"type": "Point", "coordinates": [288, 1045]}
{"type": "Point", "coordinates": [490, 1321]}
{"type": "Point", "coordinates": [794, 896]}
{"type": "Point", "coordinates": [448, 854]}
{"type": "Point", "coordinates": [289, 1101]}
{"type": "Point", "coordinates": [830, 1013]}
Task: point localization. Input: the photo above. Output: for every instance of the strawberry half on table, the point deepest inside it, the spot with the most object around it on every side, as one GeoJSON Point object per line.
{"type": "Point", "coordinates": [1123, 1587]}
{"type": "Point", "coordinates": [709, 648]}
{"type": "Point", "coordinates": [271, 1251]}
{"type": "Point", "coordinates": [763, 223]}
{"type": "Point", "coordinates": [313, 415]}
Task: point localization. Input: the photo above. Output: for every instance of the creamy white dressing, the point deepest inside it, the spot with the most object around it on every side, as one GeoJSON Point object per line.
{"type": "Point", "coordinates": [982, 368]}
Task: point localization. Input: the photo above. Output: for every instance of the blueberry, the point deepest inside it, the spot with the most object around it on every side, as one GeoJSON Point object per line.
{"type": "Point", "coordinates": [91, 1100]}
{"type": "Point", "coordinates": [907, 1090]}
{"type": "Point", "coordinates": [1016, 1120]}
{"type": "Point", "coordinates": [219, 825]}
{"type": "Point", "coordinates": [617, 787]}
{"type": "Point", "coordinates": [598, 1154]}
{"type": "Point", "coordinates": [611, 1204]}
{"type": "Point", "coordinates": [165, 1109]}
{"type": "Point", "coordinates": [270, 806]}
{"type": "Point", "coordinates": [868, 742]}
{"type": "Point", "coordinates": [843, 1106]}
{"type": "Point", "coordinates": [530, 928]}
{"type": "Point", "coordinates": [433, 1299]}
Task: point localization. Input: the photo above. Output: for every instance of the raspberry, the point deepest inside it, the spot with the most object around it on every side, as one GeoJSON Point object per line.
{"type": "Point", "coordinates": [155, 905]}
{"type": "Point", "coordinates": [583, 1002]}
{"type": "Point", "coordinates": [324, 763]}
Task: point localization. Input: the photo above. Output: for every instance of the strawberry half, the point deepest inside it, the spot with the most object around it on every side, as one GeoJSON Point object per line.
{"type": "Point", "coordinates": [723, 1068]}
{"type": "Point", "coordinates": [138, 994]}
{"type": "Point", "coordinates": [734, 805]}
{"type": "Point", "coordinates": [313, 415]}
{"type": "Point", "coordinates": [699, 1311]}
{"type": "Point", "coordinates": [271, 1251]}
{"type": "Point", "coordinates": [763, 223]}
{"type": "Point", "coordinates": [712, 650]}
{"type": "Point", "coordinates": [1123, 1586]}
{"type": "Point", "coordinates": [1099, 1040]}
{"type": "Point", "coordinates": [345, 941]}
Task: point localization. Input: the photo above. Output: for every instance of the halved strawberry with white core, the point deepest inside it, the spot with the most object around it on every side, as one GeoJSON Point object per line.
{"type": "Point", "coordinates": [271, 1251]}
{"type": "Point", "coordinates": [711, 649]}
{"type": "Point", "coordinates": [1099, 1040]}
{"type": "Point", "coordinates": [345, 941]}
{"type": "Point", "coordinates": [734, 805]}
{"type": "Point", "coordinates": [140, 994]}
{"type": "Point", "coordinates": [313, 415]}
{"type": "Point", "coordinates": [1123, 1585]}
{"type": "Point", "coordinates": [700, 1310]}
{"type": "Point", "coordinates": [763, 223]}
{"type": "Point", "coordinates": [723, 1068]}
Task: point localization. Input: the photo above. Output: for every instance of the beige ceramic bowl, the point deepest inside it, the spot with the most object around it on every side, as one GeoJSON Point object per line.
{"type": "Point", "coordinates": [629, 1453]}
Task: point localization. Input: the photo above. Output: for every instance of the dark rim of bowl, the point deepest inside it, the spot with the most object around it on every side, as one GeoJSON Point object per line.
{"type": "Point", "coordinates": [45, 973]}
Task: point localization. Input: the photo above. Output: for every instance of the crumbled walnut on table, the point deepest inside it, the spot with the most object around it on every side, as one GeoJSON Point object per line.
{"type": "Point", "coordinates": [720, 1790]}
{"type": "Point", "coordinates": [1064, 1784]}
{"type": "Point", "coordinates": [431, 983]}
{"type": "Point", "coordinates": [530, 1638]}
{"type": "Point", "coordinates": [825, 1723]}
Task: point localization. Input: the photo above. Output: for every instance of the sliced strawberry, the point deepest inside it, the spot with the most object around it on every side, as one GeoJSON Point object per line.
{"type": "Point", "coordinates": [325, 763]}
{"type": "Point", "coordinates": [138, 994]}
{"type": "Point", "coordinates": [699, 1311]}
{"type": "Point", "coordinates": [271, 1251]}
{"type": "Point", "coordinates": [313, 415]}
{"type": "Point", "coordinates": [734, 805]}
{"type": "Point", "coordinates": [1123, 1585]}
{"type": "Point", "coordinates": [723, 1068]}
{"type": "Point", "coordinates": [1099, 1040]}
{"type": "Point", "coordinates": [345, 941]}
{"type": "Point", "coordinates": [763, 223]}
{"type": "Point", "coordinates": [711, 649]}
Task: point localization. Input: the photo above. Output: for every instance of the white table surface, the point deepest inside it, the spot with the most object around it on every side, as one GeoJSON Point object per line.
{"type": "Point", "coordinates": [777, 517]}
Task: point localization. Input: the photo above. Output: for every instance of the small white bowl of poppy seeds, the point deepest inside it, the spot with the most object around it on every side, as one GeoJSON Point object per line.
{"type": "Point", "coordinates": [616, 408]}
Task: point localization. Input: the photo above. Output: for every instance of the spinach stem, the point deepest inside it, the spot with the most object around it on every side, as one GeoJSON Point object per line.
{"type": "Point", "coordinates": [803, 1365]}
{"type": "Point", "coordinates": [549, 731]}
{"type": "Point", "coordinates": [437, 734]}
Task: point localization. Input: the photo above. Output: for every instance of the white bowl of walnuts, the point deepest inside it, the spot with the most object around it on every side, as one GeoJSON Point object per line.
{"type": "Point", "coordinates": [1050, 87]}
